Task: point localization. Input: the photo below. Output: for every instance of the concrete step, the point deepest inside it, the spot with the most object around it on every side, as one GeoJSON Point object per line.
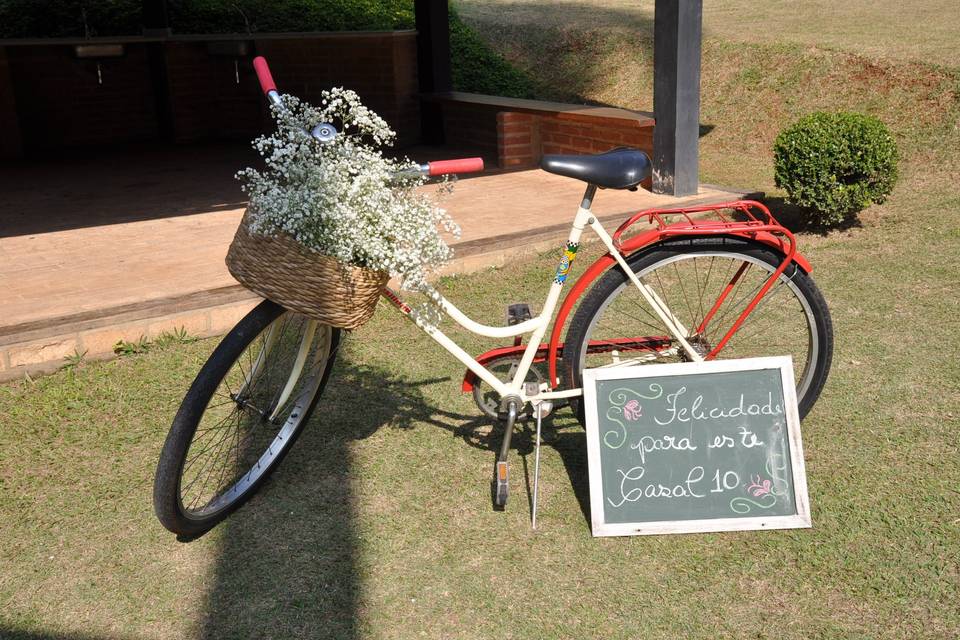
{"type": "Point", "coordinates": [40, 346]}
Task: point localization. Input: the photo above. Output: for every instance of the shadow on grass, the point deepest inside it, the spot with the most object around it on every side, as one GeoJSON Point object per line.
{"type": "Point", "coordinates": [16, 634]}
{"type": "Point", "coordinates": [797, 219]}
{"type": "Point", "coordinates": [583, 42]}
{"type": "Point", "coordinates": [297, 539]}
{"type": "Point", "coordinates": [565, 435]}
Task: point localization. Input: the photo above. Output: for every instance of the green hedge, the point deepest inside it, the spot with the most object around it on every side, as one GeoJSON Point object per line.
{"type": "Point", "coordinates": [835, 164]}
{"type": "Point", "coordinates": [476, 67]}
{"type": "Point", "coordinates": [66, 18]}
{"type": "Point", "coordinates": [479, 69]}
{"type": "Point", "coordinates": [241, 16]}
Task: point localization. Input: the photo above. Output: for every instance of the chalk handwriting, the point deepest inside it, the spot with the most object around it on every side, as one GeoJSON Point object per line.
{"type": "Point", "coordinates": [767, 492]}
{"type": "Point", "coordinates": [678, 411]}
{"type": "Point", "coordinates": [749, 439]}
{"type": "Point", "coordinates": [649, 444]}
{"type": "Point", "coordinates": [722, 441]}
{"type": "Point", "coordinates": [654, 489]}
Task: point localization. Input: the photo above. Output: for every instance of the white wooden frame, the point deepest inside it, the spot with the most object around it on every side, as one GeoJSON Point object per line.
{"type": "Point", "coordinates": [784, 363]}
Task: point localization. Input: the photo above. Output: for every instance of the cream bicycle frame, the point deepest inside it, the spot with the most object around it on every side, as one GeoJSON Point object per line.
{"type": "Point", "coordinates": [537, 326]}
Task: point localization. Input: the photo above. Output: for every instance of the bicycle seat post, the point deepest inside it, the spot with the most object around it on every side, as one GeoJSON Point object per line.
{"type": "Point", "coordinates": [588, 196]}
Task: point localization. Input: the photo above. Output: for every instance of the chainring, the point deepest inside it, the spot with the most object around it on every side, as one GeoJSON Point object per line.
{"type": "Point", "coordinates": [505, 368]}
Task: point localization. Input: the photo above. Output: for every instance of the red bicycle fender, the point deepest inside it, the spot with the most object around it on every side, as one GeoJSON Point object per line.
{"type": "Point", "coordinates": [591, 274]}
{"type": "Point", "coordinates": [774, 241]}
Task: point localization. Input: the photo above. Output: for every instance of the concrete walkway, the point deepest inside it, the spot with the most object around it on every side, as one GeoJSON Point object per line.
{"type": "Point", "coordinates": [93, 251]}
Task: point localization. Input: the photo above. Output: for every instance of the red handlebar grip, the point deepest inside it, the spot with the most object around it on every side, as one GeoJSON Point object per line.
{"type": "Point", "coordinates": [263, 74]}
{"type": "Point", "coordinates": [463, 165]}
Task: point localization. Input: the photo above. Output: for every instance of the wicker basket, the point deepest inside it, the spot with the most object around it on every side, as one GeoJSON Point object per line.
{"type": "Point", "coordinates": [279, 269]}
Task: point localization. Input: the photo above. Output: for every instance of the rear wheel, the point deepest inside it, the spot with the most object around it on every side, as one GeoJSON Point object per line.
{"type": "Point", "coordinates": [241, 416]}
{"type": "Point", "coordinates": [706, 283]}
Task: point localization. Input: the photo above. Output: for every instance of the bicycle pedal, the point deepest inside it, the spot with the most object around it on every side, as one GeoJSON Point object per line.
{"type": "Point", "coordinates": [501, 485]}
{"type": "Point", "coordinates": [518, 312]}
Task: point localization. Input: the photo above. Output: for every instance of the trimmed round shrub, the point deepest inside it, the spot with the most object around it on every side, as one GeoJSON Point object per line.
{"type": "Point", "coordinates": [835, 164]}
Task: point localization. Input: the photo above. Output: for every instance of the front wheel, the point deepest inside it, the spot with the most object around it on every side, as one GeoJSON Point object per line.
{"type": "Point", "coordinates": [241, 416]}
{"type": "Point", "coordinates": [706, 283]}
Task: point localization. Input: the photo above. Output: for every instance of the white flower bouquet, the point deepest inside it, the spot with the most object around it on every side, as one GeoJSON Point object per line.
{"type": "Point", "coordinates": [341, 201]}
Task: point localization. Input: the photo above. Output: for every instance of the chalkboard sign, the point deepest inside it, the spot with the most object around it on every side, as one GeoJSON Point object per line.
{"type": "Point", "coordinates": [707, 446]}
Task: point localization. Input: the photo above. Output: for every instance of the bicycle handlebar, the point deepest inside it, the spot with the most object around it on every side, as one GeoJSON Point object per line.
{"type": "Point", "coordinates": [325, 132]}
{"type": "Point", "coordinates": [441, 168]}
{"type": "Point", "coordinates": [461, 165]}
{"type": "Point", "coordinates": [264, 75]}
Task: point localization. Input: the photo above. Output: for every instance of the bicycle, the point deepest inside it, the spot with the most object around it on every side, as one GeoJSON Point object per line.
{"type": "Point", "coordinates": [696, 283]}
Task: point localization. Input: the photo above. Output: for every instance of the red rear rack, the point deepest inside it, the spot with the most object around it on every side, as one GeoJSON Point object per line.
{"type": "Point", "coordinates": [745, 218]}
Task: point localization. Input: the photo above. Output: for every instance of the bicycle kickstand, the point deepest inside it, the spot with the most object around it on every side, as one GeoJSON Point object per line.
{"type": "Point", "coordinates": [501, 473]}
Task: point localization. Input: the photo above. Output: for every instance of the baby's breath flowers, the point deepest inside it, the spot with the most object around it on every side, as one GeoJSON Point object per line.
{"type": "Point", "coordinates": [342, 199]}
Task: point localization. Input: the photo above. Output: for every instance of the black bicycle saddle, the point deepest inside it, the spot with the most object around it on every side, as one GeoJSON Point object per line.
{"type": "Point", "coordinates": [617, 169]}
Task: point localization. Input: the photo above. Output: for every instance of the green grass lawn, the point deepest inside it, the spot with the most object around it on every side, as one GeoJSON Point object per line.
{"type": "Point", "coordinates": [379, 523]}
{"type": "Point", "coordinates": [601, 51]}
{"type": "Point", "coordinates": [922, 31]}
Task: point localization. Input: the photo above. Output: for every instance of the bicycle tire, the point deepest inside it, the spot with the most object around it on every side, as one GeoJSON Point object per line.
{"type": "Point", "coordinates": [268, 340]}
{"type": "Point", "coordinates": [812, 354]}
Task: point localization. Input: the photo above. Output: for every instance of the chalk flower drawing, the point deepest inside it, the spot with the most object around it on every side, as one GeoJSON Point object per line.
{"type": "Point", "coordinates": [765, 493]}
{"type": "Point", "coordinates": [621, 398]}
{"type": "Point", "coordinates": [757, 488]}
{"type": "Point", "coordinates": [632, 411]}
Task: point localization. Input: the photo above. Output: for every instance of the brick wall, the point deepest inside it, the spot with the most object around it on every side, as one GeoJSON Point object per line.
{"type": "Point", "coordinates": [524, 137]}
{"type": "Point", "coordinates": [559, 136]}
{"type": "Point", "coordinates": [61, 103]}
{"type": "Point", "coordinates": [9, 129]}
{"type": "Point", "coordinates": [206, 100]}
{"type": "Point", "coordinates": [518, 139]}
{"type": "Point", "coordinates": [406, 91]}
{"type": "Point", "coordinates": [381, 67]}
{"type": "Point", "coordinates": [472, 127]}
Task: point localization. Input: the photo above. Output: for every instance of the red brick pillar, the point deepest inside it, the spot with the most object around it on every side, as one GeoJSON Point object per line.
{"type": "Point", "coordinates": [518, 140]}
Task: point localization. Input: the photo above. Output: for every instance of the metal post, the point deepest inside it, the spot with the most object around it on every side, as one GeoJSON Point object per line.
{"type": "Point", "coordinates": [676, 95]}
{"type": "Point", "coordinates": [156, 22]}
{"type": "Point", "coordinates": [433, 63]}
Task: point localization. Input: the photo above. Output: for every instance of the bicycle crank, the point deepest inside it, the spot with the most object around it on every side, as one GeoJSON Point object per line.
{"type": "Point", "coordinates": [500, 486]}
{"type": "Point", "coordinates": [505, 368]}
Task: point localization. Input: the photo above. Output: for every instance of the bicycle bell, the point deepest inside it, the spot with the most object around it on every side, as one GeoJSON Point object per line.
{"type": "Point", "coordinates": [324, 132]}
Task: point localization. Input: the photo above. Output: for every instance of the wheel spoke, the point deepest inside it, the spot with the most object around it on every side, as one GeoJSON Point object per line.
{"type": "Point", "coordinates": [718, 283]}
{"type": "Point", "coordinates": [701, 292]}
{"type": "Point", "coordinates": [206, 464]}
{"type": "Point", "coordinates": [227, 446]}
{"type": "Point", "coordinates": [617, 331]}
{"type": "Point", "coordinates": [225, 434]}
{"type": "Point", "coordinates": [736, 307]}
{"type": "Point", "coordinates": [683, 290]}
